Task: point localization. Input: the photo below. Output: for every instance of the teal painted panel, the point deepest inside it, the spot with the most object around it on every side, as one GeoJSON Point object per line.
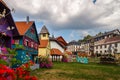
{"type": "Point", "coordinates": [31, 33]}
{"type": "Point", "coordinates": [81, 59]}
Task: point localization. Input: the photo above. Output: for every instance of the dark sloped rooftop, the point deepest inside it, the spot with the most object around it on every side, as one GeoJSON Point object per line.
{"type": "Point", "coordinates": [44, 30]}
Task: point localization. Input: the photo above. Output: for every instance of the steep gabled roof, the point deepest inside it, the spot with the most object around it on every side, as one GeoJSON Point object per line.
{"type": "Point", "coordinates": [23, 26]}
{"type": "Point", "coordinates": [1, 1]}
{"type": "Point", "coordinates": [9, 18]}
{"type": "Point", "coordinates": [43, 43]}
{"type": "Point", "coordinates": [44, 30]}
{"type": "Point", "coordinates": [54, 39]}
{"type": "Point", "coordinates": [61, 40]}
{"type": "Point", "coordinates": [73, 43]}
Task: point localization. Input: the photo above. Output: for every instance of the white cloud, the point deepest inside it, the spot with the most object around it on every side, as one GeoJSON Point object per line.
{"type": "Point", "coordinates": [70, 14]}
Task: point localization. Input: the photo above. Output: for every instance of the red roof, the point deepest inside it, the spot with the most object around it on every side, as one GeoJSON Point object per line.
{"type": "Point", "coordinates": [61, 41]}
{"type": "Point", "coordinates": [82, 54]}
{"type": "Point", "coordinates": [43, 43]}
{"type": "Point", "coordinates": [55, 51]}
{"type": "Point", "coordinates": [22, 27]}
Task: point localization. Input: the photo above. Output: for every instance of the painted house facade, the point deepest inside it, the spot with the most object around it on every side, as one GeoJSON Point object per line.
{"type": "Point", "coordinates": [7, 27]}
{"type": "Point", "coordinates": [28, 38]}
{"type": "Point", "coordinates": [44, 47]}
{"type": "Point", "coordinates": [58, 46]}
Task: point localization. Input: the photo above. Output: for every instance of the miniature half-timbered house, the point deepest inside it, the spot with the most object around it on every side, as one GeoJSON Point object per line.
{"type": "Point", "coordinates": [7, 27]}
{"type": "Point", "coordinates": [29, 39]}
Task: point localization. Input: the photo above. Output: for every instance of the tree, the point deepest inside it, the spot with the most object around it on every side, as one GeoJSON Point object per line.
{"type": "Point", "coordinates": [87, 37]}
{"type": "Point", "coordinates": [100, 33]}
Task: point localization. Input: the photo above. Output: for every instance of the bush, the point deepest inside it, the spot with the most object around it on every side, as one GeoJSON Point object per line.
{"type": "Point", "coordinates": [65, 58]}
{"type": "Point", "coordinates": [45, 62]}
{"type": "Point", "coordinates": [107, 59]}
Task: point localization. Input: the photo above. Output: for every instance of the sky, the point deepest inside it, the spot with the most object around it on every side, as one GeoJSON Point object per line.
{"type": "Point", "coordinates": [71, 19]}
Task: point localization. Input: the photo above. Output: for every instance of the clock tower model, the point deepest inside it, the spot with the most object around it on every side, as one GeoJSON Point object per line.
{"type": "Point", "coordinates": [44, 34]}
{"type": "Point", "coordinates": [44, 47]}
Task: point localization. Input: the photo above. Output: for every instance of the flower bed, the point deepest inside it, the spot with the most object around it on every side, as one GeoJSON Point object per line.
{"type": "Point", "coordinates": [45, 62]}
{"type": "Point", "coordinates": [20, 73]}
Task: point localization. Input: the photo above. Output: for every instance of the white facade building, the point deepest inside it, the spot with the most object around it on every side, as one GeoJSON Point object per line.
{"type": "Point", "coordinates": [73, 46]}
{"type": "Point", "coordinates": [55, 44]}
{"type": "Point", "coordinates": [108, 46]}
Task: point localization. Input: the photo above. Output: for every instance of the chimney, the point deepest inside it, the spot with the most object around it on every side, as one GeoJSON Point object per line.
{"type": "Point", "coordinates": [27, 18]}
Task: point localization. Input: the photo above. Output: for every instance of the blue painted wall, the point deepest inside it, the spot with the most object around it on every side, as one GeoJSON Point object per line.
{"type": "Point", "coordinates": [31, 36]}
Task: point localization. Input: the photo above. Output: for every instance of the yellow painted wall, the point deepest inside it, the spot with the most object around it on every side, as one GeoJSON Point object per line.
{"type": "Point", "coordinates": [44, 51]}
{"type": "Point", "coordinates": [44, 37]}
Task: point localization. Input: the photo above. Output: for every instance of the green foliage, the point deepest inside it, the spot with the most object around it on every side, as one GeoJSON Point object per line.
{"type": "Point", "coordinates": [12, 55]}
{"type": "Point", "coordinates": [17, 46]}
{"type": "Point", "coordinates": [100, 33]}
{"type": "Point", "coordinates": [85, 38]}
{"type": "Point", "coordinates": [3, 62]}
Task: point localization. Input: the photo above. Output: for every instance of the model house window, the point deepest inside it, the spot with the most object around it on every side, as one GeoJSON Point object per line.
{"type": "Point", "coordinates": [101, 46]}
{"type": "Point", "coordinates": [96, 47]}
{"type": "Point", "coordinates": [105, 51]}
{"type": "Point", "coordinates": [32, 44]}
{"type": "Point", "coordinates": [44, 35]}
{"type": "Point", "coordinates": [100, 51]}
{"type": "Point", "coordinates": [115, 44]}
{"type": "Point", "coordinates": [16, 41]}
{"type": "Point", "coordinates": [105, 46]}
{"type": "Point", "coordinates": [26, 43]}
{"type": "Point", "coordinates": [96, 52]}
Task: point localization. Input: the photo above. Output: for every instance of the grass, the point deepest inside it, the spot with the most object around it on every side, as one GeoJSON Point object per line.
{"type": "Point", "coordinates": [77, 71]}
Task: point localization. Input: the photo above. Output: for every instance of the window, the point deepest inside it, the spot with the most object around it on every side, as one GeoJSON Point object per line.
{"type": "Point", "coordinates": [100, 51]}
{"type": "Point", "coordinates": [26, 43]}
{"type": "Point", "coordinates": [96, 47]}
{"type": "Point", "coordinates": [32, 44]}
{"type": "Point", "coordinates": [101, 46]}
{"type": "Point", "coordinates": [16, 41]}
{"type": "Point", "coordinates": [115, 44]}
{"type": "Point", "coordinates": [44, 35]}
{"type": "Point", "coordinates": [105, 46]}
{"type": "Point", "coordinates": [36, 46]}
{"type": "Point", "coordinates": [105, 51]}
{"type": "Point", "coordinates": [96, 52]}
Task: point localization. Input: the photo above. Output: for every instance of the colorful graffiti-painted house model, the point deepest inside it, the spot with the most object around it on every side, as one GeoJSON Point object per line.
{"type": "Point", "coordinates": [7, 27]}
{"type": "Point", "coordinates": [28, 38]}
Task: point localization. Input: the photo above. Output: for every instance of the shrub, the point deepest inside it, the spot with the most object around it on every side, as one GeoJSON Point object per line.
{"type": "Point", "coordinates": [45, 62]}
{"type": "Point", "coordinates": [65, 58]}
{"type": "Point", "coordinates": [107, 59]}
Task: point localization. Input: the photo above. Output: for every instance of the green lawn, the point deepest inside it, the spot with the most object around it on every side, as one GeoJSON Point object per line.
{"type": "Point", "coordinates": [77, 71]}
